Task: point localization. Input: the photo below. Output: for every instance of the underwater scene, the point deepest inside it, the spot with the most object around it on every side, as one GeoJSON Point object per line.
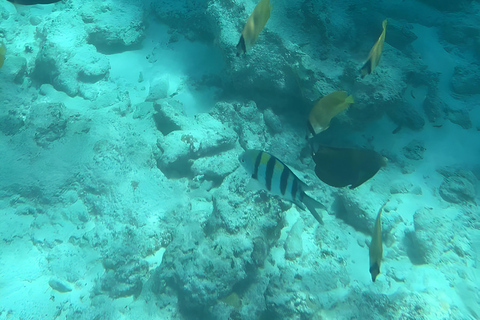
{"type": "Point", "coordinates": [239, 159]}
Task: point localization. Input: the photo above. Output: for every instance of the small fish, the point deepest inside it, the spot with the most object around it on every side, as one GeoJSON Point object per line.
{"type": "Point", "coordinates": [32, 2]}
{"type": "Point", "coordinates": [327, 108]}
{"type": "Point", "coordinates": [375, 251]}
{"type": "Point", "coordinates": [397, 129]}
{"type": "Point", "coordinates": [277, 178]}
{"type": "Point", "coordinates": [255, 23]}
{"type": "Point", "coordinates": [340, 167]}
{"type": "Point", "coordinates": [375, 53]}
{"type": "Point", "coordinates": [3, 51]}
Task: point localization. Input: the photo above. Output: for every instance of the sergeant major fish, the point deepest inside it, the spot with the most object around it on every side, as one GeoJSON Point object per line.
{"type": "Point", "coordinates": [277, 178]}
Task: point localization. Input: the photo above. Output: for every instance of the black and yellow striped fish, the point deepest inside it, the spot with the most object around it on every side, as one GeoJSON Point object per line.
{"type": "Point", "coordinates": [277, 178]}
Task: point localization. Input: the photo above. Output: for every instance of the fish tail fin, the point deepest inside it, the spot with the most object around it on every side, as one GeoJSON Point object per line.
{"type": "Point", "coordinates": [367, 67]}
{"type": "Point", "coordinates": [349, 99]}
{"type": "Point", "coordinates": [241, 47]}
{"type": "Point", "coordinates": [312, 205]}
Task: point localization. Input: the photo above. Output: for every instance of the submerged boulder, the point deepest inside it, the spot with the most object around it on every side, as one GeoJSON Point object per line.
{"type": "Point", "coordinates": [414, 150]}
{"type": "Point", "coordinates": [458, 185]}
{"type": "Point", "coordinates": [113, 28]}
{"type": "Point", "coordinates": [466, 79]}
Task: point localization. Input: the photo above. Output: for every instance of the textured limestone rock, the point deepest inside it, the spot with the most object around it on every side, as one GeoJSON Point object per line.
{"type": "Point", "coordinates": [272, 121]}
{"type": "Point", "coordinates": [466, 79]}
{"type": "Point", "coordinates": [406, 115]}
{"type": "Point", "coordinates": [400, 34]}
{"type": "Point", "coordinates": [205, 136]}
{"type": "Point", "coordinates": [67, 62]}
{"type": "Point", "coordinates": [216, 167]}
{"type": "Point", "coordinates": [405, 187]}
{"type": "Point", "coordinates": [303, 283]}
{"type": "Point", "coordinates": [170, 116]}
{"type": "Point", "coordinates": [123, 278]}
{"type": "Point", "coordinates": [435, 109]}
{"type": "Point", "coordinates": [294, 243]}
{"type": "Point", "coordinates": [427, 242]}
{"type": "Point", "coordinates": [111, 27]}
{"type": "Point", "coordinates": [67, 262]}
{"type": "Point", "coordinates": [414, 150]}
{"type": "Point", "coordinates": [50, 122]}
{"type": "Point", "coordinates": [158, 89]}
{"type": "Point", "coordinates": [201, 270]}
{"type": "Point", "coordinates": [460, 117]}
{"type": "Point", "coordinates": [446, 5]}
{"type": "Point", "coordinates": [11, 123]}
{"type": "Point", "coordinates": [458, 185]}
{"type": "Point", "coordinates": [357, 211]}
{"type": "Point", "coordinates": [174, 14]}
{"type": "Point", "coordinates": [457, 190]}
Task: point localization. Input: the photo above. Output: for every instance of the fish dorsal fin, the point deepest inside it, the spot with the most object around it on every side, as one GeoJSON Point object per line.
{"type": "Point", "coordinates": [297, 173]}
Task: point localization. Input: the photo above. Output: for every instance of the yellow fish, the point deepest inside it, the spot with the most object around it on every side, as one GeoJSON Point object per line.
{"type": "Point", "coordinates": [375, 53]}
{"type": "Point", "coordinates": [375, 251]}
{"type": "Point", "coordinates": [3, 50]}
{"type": "Point", "coordinates": [327, 108]}
{"type": "Point", "coordinates": [255, 23]}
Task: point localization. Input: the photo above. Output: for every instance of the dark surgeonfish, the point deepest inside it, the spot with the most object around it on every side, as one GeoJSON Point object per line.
{"type": "Point", "coordinates": [375, 252]}
{"type": "Point", "coordinates": [31, 2]}
{"type": "Point", "coordinates": [255, 23]}
{"type": "Point", "coordinates": [374, 55]}
{"type": "Point", "coordinates": [277, 178]}
{"type": "Point", "coordinates": [340, 167]}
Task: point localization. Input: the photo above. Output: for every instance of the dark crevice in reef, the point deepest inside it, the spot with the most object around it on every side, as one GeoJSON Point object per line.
{"type": "Point", "coordinates": [164, 124]}
{"type": "Point", "coordinates": [413, 251]}
{"type": "Point", "coordinates": [180, 170]}
{"type": "Point", "coordinates": [351, 220]}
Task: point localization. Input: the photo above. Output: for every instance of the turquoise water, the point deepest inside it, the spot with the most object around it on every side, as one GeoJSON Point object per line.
{"type": "Point", "coordinates": [121, 191]}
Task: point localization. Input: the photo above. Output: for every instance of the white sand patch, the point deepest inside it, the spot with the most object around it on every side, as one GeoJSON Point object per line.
{"type": "Point", "coordinates": [181, 62]}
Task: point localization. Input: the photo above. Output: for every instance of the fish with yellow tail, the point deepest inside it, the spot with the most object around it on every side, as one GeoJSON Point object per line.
{"type": "Point", "coordinates": [327, 108]}
{"type": "Point", "coordinates": [375, 53]}
{"type": "Point", "coordinates": [375, 251]}
{"type": "Point", "coordinates": [3, 51]}
{"type": "Point", "coordinates": [255, 23]}
{"type": "Point", "coordinates": [279, 180]}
